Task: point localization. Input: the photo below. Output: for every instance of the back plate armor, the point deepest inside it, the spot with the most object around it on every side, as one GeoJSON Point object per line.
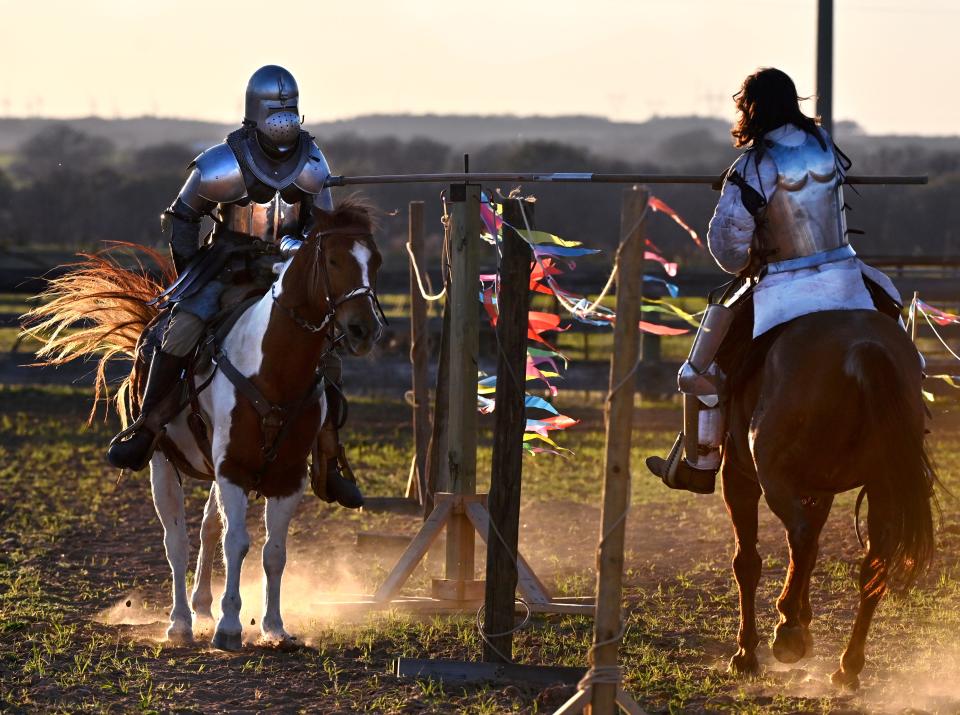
{"type": "Point", "coordinates": [805, 216]}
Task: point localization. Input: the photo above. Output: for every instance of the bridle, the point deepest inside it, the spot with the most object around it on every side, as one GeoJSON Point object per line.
{"type": "Point", "coordinates": [332, 302]}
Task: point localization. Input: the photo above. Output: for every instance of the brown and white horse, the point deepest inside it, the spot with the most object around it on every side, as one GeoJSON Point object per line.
{"type": "Point", "coordinates": [276, 346]}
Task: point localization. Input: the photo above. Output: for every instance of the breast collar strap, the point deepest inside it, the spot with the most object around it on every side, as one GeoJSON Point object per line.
{"type": "Point", "coordinates": [276, 419]}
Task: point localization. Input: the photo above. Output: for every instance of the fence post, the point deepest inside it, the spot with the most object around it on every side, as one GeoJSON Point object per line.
{"type": "Point", "coordinates": [419, 353]}
{"type": "Point", "coordinates": [464, 348]}
{"type": "Point", "coordinates": [503, 501]}
{"type": "Point", "coordinates": [616, 463]}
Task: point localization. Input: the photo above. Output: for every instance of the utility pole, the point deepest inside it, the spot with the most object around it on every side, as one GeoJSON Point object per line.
{"type": "Point", "coordinates": [825, 63]}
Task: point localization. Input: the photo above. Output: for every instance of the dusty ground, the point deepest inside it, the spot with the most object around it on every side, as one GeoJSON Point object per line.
{"type": "Point", "coordinates": [84, 590]}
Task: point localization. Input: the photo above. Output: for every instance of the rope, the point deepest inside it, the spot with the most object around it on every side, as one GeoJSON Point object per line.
{"type": "Point", "coordinates": [416, 272]}
{"type": "Point", "coordinates": [606, 289]}
{"type": "Point", "coordinates": [939, 337]}
{"type": "Point", "coordinates": [626, 378]}
{"type": "Point", "coordinates": [570, 307]}
{"type": "Point", "coordinates": [487, 636]}
{"type": "Point", "coordinates": [606, 674]}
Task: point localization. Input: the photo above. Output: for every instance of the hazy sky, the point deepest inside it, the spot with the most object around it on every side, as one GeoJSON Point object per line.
{"type": "Point", "coordinates": [897, 62]}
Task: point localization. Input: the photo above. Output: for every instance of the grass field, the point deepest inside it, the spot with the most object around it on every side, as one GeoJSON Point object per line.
{"type": "Point", "coordinates": [84, 588]}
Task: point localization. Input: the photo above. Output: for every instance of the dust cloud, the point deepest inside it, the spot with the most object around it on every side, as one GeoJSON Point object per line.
{"type": "Point", "coordinates": [132, 609]}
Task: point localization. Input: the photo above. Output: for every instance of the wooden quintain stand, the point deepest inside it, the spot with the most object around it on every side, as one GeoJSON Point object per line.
{"type": "Point", "coordinates": [461, 511]}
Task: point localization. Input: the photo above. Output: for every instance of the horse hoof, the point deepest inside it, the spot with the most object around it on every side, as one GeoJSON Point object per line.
{"type": "Point", "coordinates": [789, 643]}
{"type": "Point", "coordinates": [842, 679]}
{"type": "Point", "coordinates": [227, 641]}
{"type": "Point", "coordinates": [279, 641]}
{"type": "Point", "coordinates": [180, 635]}
{"type": "Point", "coordinates": [744, 664]}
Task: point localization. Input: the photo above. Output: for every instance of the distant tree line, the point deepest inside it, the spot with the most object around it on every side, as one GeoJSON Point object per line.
{"type": "Point", "coordinates": [66, 189]}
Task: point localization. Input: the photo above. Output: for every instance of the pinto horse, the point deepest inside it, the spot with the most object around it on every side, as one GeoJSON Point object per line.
{"type": "Point", "coordinates": [275, 346]}
{"type": "Point", "coordinates": [828, 403]}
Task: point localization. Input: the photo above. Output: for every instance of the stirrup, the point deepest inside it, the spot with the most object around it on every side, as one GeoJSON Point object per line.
{"type": "Point", "coordinates": [668, 470]}
{"type": "Point", "coordinates": [147, 454]}
{"type": "Point", "coordinates": [677, 473]}
{"type": "Point", "coordinates": [130, 429]}
{"type": "Point", "coordinates": [340, 487]}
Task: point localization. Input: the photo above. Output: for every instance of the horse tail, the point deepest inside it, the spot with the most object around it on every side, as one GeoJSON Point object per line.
{"type": "Point", "coordinates": [98, 310]}
{"type": "Point", "coordinates": [900, 486]}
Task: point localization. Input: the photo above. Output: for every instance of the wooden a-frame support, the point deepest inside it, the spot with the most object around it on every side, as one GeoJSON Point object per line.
{"type": "Point", "coordinates": [460, 510]}
{"type": "Point", "coordinates": [473, 508]}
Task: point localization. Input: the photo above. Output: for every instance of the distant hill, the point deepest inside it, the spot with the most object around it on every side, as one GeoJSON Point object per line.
{"type": "Point", "coordinates": [655, 140]}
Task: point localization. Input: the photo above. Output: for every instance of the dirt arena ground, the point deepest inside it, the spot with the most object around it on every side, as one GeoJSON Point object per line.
{"type": "Point", "coordinates": [84, 588]}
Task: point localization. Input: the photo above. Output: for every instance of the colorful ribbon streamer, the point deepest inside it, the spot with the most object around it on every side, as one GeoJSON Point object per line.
{"type": "Point", "coordinates": [547, 249]}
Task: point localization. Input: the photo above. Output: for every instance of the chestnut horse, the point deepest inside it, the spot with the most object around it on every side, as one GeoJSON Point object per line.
{"type": "Point", "coordinates": [276, 346]}
{"type": "Point", "coordinates": [831, 402]}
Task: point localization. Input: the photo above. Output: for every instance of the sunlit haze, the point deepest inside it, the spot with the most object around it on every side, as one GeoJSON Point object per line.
{"type": "Point", "coordinates": [895, 61]}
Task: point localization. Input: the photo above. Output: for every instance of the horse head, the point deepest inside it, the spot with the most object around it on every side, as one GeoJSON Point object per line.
{"type": "Point", "coordinates": [343, 275]}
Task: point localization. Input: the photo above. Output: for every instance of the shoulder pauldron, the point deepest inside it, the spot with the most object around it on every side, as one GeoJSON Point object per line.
{"type": "Point", "coordinates": [221, 179]}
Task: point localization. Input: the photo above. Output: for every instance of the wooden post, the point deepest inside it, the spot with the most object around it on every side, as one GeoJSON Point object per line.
{"type": "Point", "coordinates": [825, 63]}
{"type": "Point", "coordinates": [419, 352]}
{"type": "Point", "coordinates": [503, 501]}
{"type": "Point", "coordinates": [438, 478]}
{"type": "Point", "coordinates": [464, 348]}
{"type": "Point", "coordinates": [616, 463]}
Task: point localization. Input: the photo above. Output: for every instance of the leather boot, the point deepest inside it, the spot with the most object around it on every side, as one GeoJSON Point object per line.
{"type": "Point", "coordinates": [678, 473]}
{"type": "Point", "coordinates": [340, 489]}
{"type": "Point", "coordinates": [332, 478]}
{"type": "Point", "coordinates": [132, 448]}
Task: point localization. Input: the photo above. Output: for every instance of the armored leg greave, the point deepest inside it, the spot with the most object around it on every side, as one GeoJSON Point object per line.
{"type": "Point", "coordinates": [700, 380]}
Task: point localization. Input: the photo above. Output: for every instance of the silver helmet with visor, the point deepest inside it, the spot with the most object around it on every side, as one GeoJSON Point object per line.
{"type": "Point", "coordinates": [272, 107]}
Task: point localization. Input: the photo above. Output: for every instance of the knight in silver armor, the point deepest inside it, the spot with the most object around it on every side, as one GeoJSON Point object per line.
{"type": "Point", "coordinates": [259, 186]}
{"type": "Point", "coordinates": [780, 227]}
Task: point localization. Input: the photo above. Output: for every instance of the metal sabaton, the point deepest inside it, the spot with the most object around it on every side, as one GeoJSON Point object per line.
{"type": "Point", "coordinates": [579, 178]}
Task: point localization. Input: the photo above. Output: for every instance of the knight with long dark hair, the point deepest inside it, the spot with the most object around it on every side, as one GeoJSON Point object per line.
{"type": "Point", "coordinates": [780, 226]}
{"type": "Point", "coordinates": [259, 186]}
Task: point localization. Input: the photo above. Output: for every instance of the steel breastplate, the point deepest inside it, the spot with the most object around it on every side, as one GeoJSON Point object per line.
{"type": "Point", "coordinates": [805, 215]}
{"type": "Point", "coordinates": [269, 222]}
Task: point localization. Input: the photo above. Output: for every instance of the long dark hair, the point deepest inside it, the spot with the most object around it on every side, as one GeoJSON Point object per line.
{"type": "Point", "coordinates": [768, 99]}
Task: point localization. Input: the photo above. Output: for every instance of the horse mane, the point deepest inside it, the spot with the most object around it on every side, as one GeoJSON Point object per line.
{"type": "Point", "coordinates": [354, 210]}
{"type": "Point", "coordinates": [98, 309]}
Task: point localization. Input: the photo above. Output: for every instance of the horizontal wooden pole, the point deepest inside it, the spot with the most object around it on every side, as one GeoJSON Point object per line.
{"type": "Point", "coordinates": [581, 178]}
